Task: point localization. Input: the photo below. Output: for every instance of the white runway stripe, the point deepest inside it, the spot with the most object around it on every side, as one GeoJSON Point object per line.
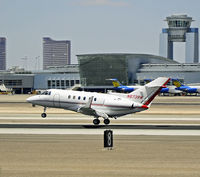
{"type": "Point", "coordinates": [100, 132]}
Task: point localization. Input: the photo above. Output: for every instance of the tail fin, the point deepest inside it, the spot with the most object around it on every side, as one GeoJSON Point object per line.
{"type": "Point", "coordinates": [177, 83]}
{"type": "Point", "coordinates": [147, 93]}
{"type": "Point", "coordinates": [115, 82]}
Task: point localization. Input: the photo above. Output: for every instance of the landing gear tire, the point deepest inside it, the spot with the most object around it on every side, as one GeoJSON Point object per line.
{"type": "Point", "coordinates": [106, 121]}
{"type": "Point", "coordinates": [44, 115]}
{"type": "Point", "coordinates": [96, 121]}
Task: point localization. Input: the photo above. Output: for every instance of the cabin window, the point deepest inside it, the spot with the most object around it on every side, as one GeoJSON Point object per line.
{"type": "Point", "coordinates": [95, 99]}
{"type": "Point", "coordinates": [84, 98]}
{"type": "Point", "coordinates": [69, 96]}
{"type": "Point", "coordinates": [74, 97]}
{"type": "Point", "coordinates": [79, 97]}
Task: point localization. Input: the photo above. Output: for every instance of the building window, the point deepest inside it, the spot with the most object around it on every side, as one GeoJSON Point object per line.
{"type": "Point", "coordinates": [72, 82]}
{"type": "Point", "coordinates": [69, 96]}
{"type": "Point", "coordinates": [53, 83]}
{"type": "Point", "coordinates": [95, 99]}
{"type": "Point", "coordinates": [13, 82]}
{"type": "Point", "coordinates": [84, 98]}
{"type": "Point", "coordinates": [79, 98]}
{"type": "Point", "coordinates": [135, 82]}
{"type": "Point", "coordinates": [77, 81]}
{"type": "Point", "coordinates": [74, 97]}
{"type": "Point", "coordinates": [67, 82]}
{"type": "Point", "coordinates": [58, 83]}
{"type": "Point", "coordinates": [49, 83]}
{"type": "Point", "coordinates": [62, 83]}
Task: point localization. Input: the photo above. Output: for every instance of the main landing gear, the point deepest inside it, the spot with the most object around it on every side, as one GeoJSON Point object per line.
{"type": "Point", "coordinates": [44, 115]}
{"type": "Point", "coordinates": [106, 121]}
{"type": "Point", "coordinates": [96, 121]}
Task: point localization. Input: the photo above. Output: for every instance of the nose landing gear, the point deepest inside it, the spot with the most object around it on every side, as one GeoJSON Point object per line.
{"type": "Point", "coordinates": [44, 115]}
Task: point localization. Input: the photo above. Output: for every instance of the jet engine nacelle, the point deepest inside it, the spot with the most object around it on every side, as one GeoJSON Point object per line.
{"type": "Point", "coordinates": [198, 90]}
{"type": "Point", "coordinates": [192, 90]}
{"type": "Point", "coordinates": [164, 90]}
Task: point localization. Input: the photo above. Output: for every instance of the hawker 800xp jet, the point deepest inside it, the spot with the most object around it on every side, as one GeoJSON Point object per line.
{"type": "Point", "coordinates": [99, 104]}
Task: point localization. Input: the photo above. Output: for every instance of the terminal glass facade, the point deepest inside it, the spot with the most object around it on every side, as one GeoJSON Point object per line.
{"type": "Point", "coordinates": [96, 69]}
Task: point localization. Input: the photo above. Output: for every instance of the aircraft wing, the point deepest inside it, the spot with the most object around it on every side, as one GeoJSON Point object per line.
{"type": "Point", "coordinates": [89, 111]}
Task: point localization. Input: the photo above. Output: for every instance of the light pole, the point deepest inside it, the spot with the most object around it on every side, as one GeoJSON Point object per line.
{"type": "Point", "coordinates": [37, 66]}
{"type": "Point", "coordinates": [24, 60]}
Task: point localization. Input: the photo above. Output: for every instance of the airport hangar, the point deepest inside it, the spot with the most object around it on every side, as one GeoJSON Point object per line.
{"type": "Point", "coordinates": [93, 70]}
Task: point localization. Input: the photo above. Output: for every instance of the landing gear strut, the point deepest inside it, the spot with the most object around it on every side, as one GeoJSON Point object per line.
{"type": "Point", "coordinates": [96, 121]}
{"type": "Point", "coordinates": [44, 114]}
{"type": "Point", "coordinates": [106, 121]}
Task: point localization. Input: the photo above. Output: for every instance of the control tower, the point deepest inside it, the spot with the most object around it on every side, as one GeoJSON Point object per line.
{"type": "Point", "coordinates": [179, 31]}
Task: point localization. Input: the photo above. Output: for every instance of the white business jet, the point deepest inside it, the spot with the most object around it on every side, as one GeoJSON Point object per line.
{"type": "Point", "coordinates": [99, 104]}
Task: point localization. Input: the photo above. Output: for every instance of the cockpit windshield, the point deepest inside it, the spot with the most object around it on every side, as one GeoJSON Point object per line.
{"type": "Point", "coordinates": [46, 93]}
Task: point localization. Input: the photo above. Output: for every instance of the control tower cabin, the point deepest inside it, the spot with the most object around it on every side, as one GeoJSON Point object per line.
{"type": "Point", "coordinates": [179, 31]}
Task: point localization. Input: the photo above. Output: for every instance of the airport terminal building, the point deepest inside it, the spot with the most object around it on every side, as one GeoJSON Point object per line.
{"type": "Point", "coordinates": [95, 69]}
{"type": "Point", "coordinates": [56, 77]}
{"type": "Point", "coordinates": [187, 72]}
{"type": "Point", "coordinates": [19, 82]}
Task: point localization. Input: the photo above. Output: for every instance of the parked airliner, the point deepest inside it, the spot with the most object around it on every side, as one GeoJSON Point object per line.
{"type": "Point", "coordinates": [186, 88]}
{"type": "Point", "coordinates": [119, 87]}
{"type": "Point", "coordinates": [99, 104]}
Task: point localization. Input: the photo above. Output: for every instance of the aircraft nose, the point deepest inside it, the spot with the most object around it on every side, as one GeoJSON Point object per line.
{"type": "Point", "coordinates": [30, 99]}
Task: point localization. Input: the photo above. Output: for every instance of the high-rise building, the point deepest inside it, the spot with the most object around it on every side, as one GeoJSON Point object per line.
{"type": "Point", "coordinates": [56, 53]}
{"type": "Point", "coordinates": [2, 53]}
{"type": "Point", "coordinates": [179, 31]}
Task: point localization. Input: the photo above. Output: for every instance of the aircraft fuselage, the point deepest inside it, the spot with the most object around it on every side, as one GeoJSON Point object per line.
{"type": "Point", "coordinates": [73, 100]}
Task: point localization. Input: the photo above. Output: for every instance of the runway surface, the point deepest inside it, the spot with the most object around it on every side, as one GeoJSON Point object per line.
{"type": "Point", "coordinates": [84, 156]}
{"type": "Point", "coordinates": [163, 141]}
{"type": "Point", "coordinates": [79, 124]}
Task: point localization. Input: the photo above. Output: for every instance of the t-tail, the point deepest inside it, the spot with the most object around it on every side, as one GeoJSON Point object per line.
{"type": "Point", "coordinates": [177, 83]}
{"type": "Point", "coordinates": [119, 87]}
{"type": "Point", "coordinates": [115, 82]}
{"type": "Point", "coordinates": [147, 93]}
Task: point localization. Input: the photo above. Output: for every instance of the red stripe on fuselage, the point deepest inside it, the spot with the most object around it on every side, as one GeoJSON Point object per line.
{"type": "Point", "coordinates": [93, 104]}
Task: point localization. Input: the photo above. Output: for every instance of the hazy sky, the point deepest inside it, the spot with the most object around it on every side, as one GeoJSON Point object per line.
{"type": "Point", "coordinates": [93, 26]}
